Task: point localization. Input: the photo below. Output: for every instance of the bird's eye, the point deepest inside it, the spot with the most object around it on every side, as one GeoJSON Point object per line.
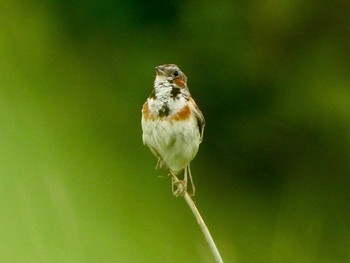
{"type": "Point", "coordinates": [176, 73]}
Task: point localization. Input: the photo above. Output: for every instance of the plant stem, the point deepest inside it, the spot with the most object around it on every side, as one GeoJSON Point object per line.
{"type": "Point", "coordinates": [202, 225]}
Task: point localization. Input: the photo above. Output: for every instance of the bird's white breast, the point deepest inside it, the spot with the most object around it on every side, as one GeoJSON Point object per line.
{"type": "Point", "coordinates": [176, 141]}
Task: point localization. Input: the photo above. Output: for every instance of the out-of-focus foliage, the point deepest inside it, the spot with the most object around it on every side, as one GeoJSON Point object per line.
{"type": "Point", "coordinates": [272, 174]}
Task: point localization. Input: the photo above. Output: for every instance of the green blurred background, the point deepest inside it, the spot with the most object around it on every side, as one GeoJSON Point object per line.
{"type": "Point", "coordinates": [272, 174]}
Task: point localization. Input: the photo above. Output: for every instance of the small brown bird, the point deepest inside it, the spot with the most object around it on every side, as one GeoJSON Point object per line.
{"type": "Point", "coordinates": [172, 124]}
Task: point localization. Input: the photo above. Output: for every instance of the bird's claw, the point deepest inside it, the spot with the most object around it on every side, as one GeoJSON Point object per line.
{"type": "Point", "coordinates": [179, 187]}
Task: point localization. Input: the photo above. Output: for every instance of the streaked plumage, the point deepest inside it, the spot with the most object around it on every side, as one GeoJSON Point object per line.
{"type": "Point", "coordinates": [172, 123]}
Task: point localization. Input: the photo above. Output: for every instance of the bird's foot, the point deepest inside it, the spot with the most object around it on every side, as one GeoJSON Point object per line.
{"type": "Point", "coordinates": [179, 187]}
{"type": "Point", "coordinates": [159, 164]}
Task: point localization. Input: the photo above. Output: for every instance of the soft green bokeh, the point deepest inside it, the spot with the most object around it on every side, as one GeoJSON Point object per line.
{"type": "Point", "coordinates": [272, 174]}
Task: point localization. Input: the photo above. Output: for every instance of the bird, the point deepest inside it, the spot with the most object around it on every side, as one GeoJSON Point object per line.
{"type": "Point", "coordinates": [172, 125]}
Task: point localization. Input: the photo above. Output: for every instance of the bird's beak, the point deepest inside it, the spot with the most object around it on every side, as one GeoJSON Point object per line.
{"type": "Point", "coordinates": [160, 70]}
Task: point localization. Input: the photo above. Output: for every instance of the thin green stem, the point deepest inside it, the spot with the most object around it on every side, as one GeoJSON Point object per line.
{"type": "Point", "coordinates": [202, 224]}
